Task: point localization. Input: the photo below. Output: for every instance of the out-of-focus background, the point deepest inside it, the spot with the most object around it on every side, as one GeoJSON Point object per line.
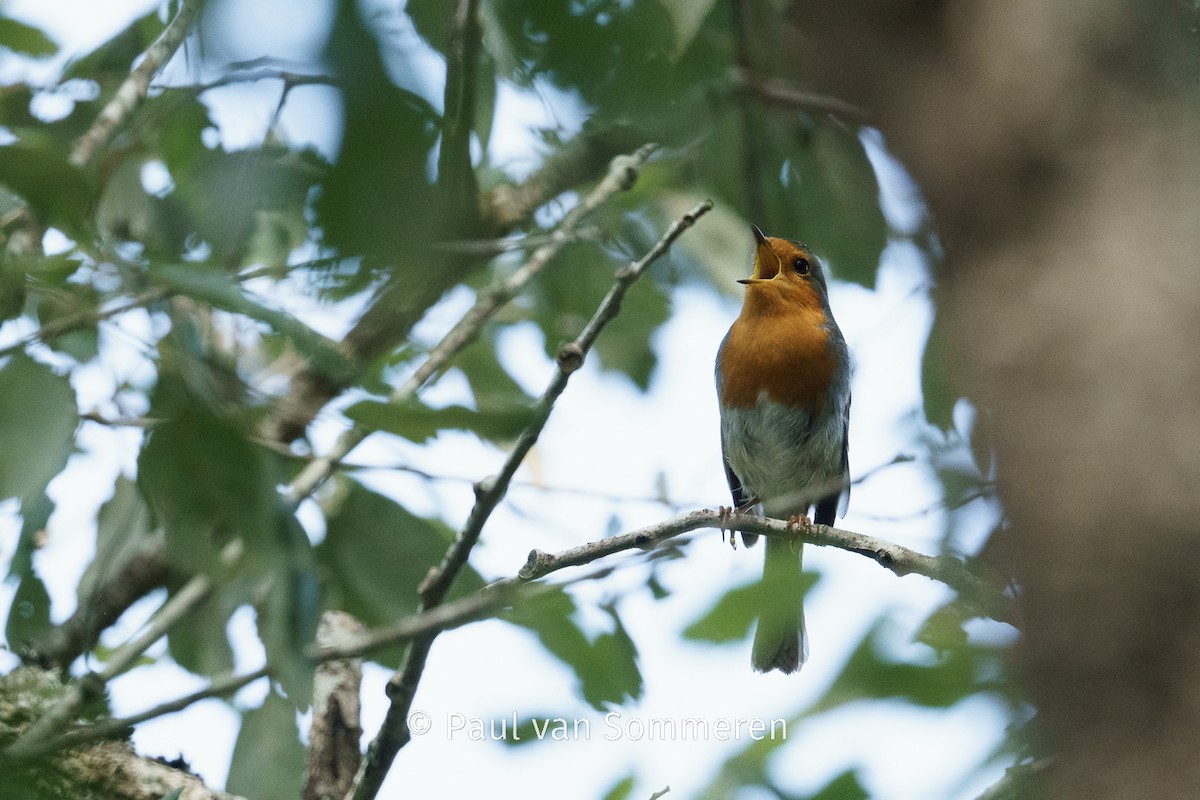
{"type": "Point", "coordinates": [208, 278]}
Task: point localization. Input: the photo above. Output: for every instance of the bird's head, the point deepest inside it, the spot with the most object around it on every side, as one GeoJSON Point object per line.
{"type": "Point", "coordinates": [785, 272]}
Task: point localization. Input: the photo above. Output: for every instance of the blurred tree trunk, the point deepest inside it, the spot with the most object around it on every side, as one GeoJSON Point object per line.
{"type": "Point", "coordinates": [1057, 144]}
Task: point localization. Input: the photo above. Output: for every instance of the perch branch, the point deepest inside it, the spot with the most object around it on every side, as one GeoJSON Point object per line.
{"type": "Point", "coordinates": [502, 593]}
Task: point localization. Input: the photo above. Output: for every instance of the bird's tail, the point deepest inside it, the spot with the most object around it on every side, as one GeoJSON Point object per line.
{"type": "Point", "coordinates": [780, 641]}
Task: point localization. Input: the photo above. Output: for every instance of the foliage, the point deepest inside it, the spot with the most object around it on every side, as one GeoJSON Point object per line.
{"type": "Point", "coordinates": [214, 262]}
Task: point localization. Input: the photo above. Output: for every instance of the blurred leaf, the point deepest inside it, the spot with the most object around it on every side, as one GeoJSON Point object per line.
{"type": "Point", "coordinates": [110, 62]}
{"type": "Point", "coordinates": [935, 379]}
{"type": "Point", "coordinates": [21, 38]}
{"type": "Point", "coordinates": [844, 787]}
{"type": "Point", "coordinates": [202, 644]}
{"type": "Point", "coordinates": [606, 667]}
{"type": "Point", "coordinates": [29, 615]}
{"type": "Point", "coordinates": [35, 515]}
{"type": "Point", "coordinates": [374, 556]}
{"type": "Point", "coordinates": [686, 17]}
{"type": "Point", "coordinates": [123, 530]}
{"type": "Point", "coordinates": [12, 291]}
{"type": "Point", "coordinates": [491, 384]}
{"type": "Point", "coordinates": [288, 615]}
{"type": "Point", "coordinates": [70, 303]}
{"type": "Point", "coordinates": [60, 194]}
{"type": "Point", "coordinates": [418, 422]}
{"type": "Point", "coordinates": [622, 790]}
{"type": "Point", "coordinates": [38, 417]}
{"type": "Point", "coordinates": [873, 674]}
{"type": "Point", "coordinates": [174, 794]}
{"type": "Point", "coordinates": [204, 480]}
{"type": "Point", "coordinates": [224, 292]}
{"type": "Point", "coordinates": [249, 182]}
{"type": "Point", "coordinates": [733, 616]}
{"type": "Point", "coordinates": [378, 200]}
{"type": "Point", "coordinates": [268, 760]}
{"type": "Point", "coordinates": [568, 293]}
{"type": "Point", "coordinates": [943, 630]}
{"type": "Point", "coordinates": [833, 196]}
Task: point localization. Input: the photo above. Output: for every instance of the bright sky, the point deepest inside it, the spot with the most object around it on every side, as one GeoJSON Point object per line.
{"type": "Point", "coordinates": [606, 438]}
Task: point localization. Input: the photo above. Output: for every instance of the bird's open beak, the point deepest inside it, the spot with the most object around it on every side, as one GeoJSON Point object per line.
{"type": "Point", "coordinates": [766, 260]}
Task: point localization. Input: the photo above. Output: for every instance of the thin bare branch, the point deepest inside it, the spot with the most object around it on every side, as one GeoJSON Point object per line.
{"type": "Point", "coordinates": [86, 318]}
{"type": "Point", "coordinates": [620, 177]}
{"type": "Point", "coordinates": [782, 93]}
{"type": "Point", "coordinates": [133, 91]}
{"type": "Point", "coordinates": [501, 594]}
{"type": "Point", "coordinates": [288, 78]}
{"type": "Point", "coordinates": [39, 737]}
{"type": "Point", "coordinates": [113, 728]}
{"type": "Point", "coordinates": [402, 687]}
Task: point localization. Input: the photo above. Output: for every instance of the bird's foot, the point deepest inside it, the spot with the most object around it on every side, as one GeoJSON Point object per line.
{"type": "Point", "coordinates": [794, 522]}
{"type": "Point", "coordinates": [724, 513]}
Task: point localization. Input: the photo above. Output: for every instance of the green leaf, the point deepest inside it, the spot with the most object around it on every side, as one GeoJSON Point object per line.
{"type": "Point", "coordinates": [419, 423]}
{"type": "Point", "coordinates": [123, 530]}
{"type": "Point", "coordinates": [70, 304]}
{"type": "Point", "coordinates": [202, 644]}
{"type": "Point", "coordinates": [378, 199]}
{"type": "Point", "coordinates": [935, 380]}
{"type": "Point", "coordinates": [205, 482]}
{"type": "Point", "coordinates": [621, 790]}
{"type": "Point", "coordinates": [374, 556]}
{"type": "Point", "coordinates": [222, 291]}
{"type": "Point", "coordinates": [844, 787]}
{"type": "Point", "coordinates": [606, 667]}
{"type": "Point", "coordinates": [21, 38]}
{"type": "Point", "coordinates": [35, 515]}
{"type": "Point", "coordinates": [734, 614]}
{"type": "Point", "coordinates": [686, 17]}
{"type": "Point", "coordinates": [110, 62]}
{"type": "Point", "coordinates": [252, 185]}
{"type": "Point", "coordinates": [60, 194]}
{"type": "Point", "coordinates": [831, 198]}
{"type": "Point", "coordinates": [288, 615]}
{"type": "Point", "coordinates": [872, 673]}
{"type": "Point", "coordinates": [38, 417]}
{"type": "Point", "coordinates": [29, 615]}
{"type": "Point", "coordinates": [568, 293]}
{"type": "Point", "coordinates": [268, 759]}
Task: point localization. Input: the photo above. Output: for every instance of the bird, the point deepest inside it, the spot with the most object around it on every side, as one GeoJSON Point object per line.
{"type": "Point", "coordinates": [783, 387]}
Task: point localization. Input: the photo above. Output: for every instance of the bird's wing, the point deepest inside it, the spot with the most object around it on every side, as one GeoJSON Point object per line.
{"type": "Point", "coordinates": [735, 485]}
{"type": "Point", "coordinates": [844, 501]}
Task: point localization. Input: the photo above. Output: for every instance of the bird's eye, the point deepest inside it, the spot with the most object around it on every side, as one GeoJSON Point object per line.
{"type": "Point", "coordinates": [801, 266]}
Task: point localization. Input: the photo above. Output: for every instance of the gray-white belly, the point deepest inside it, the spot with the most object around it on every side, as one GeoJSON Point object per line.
{"type": "Point", "coordinates": [782, 457]}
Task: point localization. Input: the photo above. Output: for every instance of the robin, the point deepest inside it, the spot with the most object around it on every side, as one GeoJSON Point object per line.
{"type": "Point", "coordinates": [783, 383]}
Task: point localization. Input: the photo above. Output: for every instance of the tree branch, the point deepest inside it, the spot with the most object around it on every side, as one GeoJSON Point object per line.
{"type": "Point", "coordinates": [333, 754]}
{"type": "Point", "coordinates": [782, 93]}
{"type": "Point", "coordinates": [133, 91]}
{"type": "Point", "coordinates": [503, 593]}
{"type": "Point", "coordinates": [113, 728]}
{"type": "Point", "coordinates": [36, 737]}
{"type": "Point", "coordinates": [622, 173]}
{"type": "Point", "coordinates": [402, 687]}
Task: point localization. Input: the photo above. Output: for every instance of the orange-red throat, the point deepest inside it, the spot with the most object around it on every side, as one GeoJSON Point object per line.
{"type": "Point", "coordinates": [783, 278]}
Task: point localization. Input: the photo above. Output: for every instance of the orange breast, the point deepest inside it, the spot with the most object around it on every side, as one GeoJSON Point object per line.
{"type": "Point", "coordinates": [785, 355]}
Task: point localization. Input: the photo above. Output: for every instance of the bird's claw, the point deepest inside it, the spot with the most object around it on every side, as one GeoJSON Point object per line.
{"type": "Point", "coordinates": [797, 521]}
{"type": "Point", "coordinates": [725, 512]}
